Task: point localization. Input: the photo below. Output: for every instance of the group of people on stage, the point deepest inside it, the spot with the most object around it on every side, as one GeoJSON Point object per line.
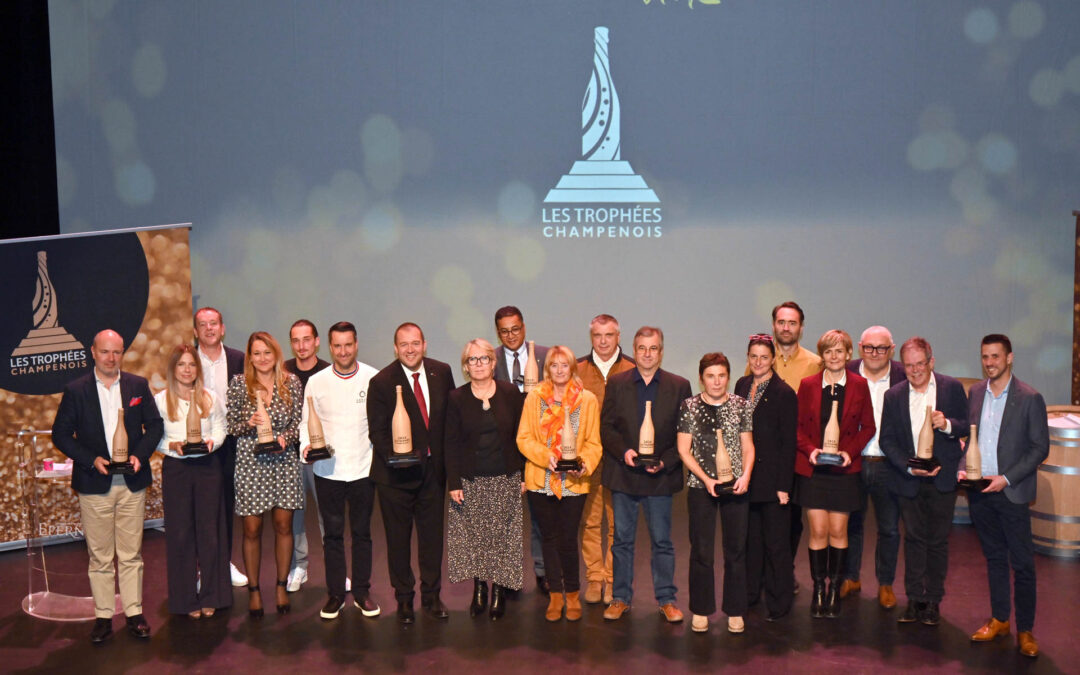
{"type": "Point", "coordinates": [591, 443]}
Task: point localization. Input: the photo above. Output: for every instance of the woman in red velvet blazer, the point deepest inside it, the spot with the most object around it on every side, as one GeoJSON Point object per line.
{"type": "Point", "coordinates": [829, 493]}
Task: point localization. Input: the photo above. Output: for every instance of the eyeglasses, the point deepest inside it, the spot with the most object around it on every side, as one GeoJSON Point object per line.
{"type": "Point", "coordinates": [761, 337]}
{"type": "Point", "coordinates": [916, 366]}
{"type": "Point", "coordinates": [871, 350]}
{"type": "Point", "coordinates": [516, 330]}
{"type": "Point", "coordinates": [483, 359]}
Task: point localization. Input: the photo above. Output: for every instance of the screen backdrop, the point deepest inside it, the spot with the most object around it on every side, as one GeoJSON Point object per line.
{"type": "Point", "coordinates": [907, 163]}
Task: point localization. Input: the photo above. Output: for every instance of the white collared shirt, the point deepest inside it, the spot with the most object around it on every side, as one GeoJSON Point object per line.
{"type": "Point", "coordinates": [110, 401]}
{"type": "Point", "coordinates": [213, 427]}
{"type": "Point", "coordinates": [917, 402]}
{"type": "Point", "coordinates": [878, 388]}
{"type": "Point", "coordinates": [216, 373]}
{"type": "Point", "coordinates": [605, 366]}
{"type": "Point", "coordinates": [842, 381]}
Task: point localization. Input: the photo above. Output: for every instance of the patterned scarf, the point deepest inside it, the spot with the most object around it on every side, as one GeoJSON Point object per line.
{"type": "Point", "coordinates": [552, 420]}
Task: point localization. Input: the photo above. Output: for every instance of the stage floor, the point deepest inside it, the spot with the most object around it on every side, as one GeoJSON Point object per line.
{"type": "Point", "coordinates": [864, 639]}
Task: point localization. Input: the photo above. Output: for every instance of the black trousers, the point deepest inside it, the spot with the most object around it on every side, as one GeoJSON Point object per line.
{"type": "Point", "coordinates": [195, 547]}
{"type": "Point", "coordinates": [559, 520]}
{"type": "Point", "coordinates": [400, 509]}
{"type": "Point", "coordinates": [927, 521]}
{"type": "Point", "coordinates": [334, 497]}
{"type": "Point", "coordinates": [1004, 530]}
{"type": "Point", "coordinates": [228, 477]}
{"type": "Point", "coordinates": [768, 556]}
{"type": "Point", "coordinates": [734, 518]}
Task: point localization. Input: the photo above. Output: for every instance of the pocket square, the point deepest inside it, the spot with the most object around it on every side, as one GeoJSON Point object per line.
{"type": "Point", "coordinates": [135, 401]}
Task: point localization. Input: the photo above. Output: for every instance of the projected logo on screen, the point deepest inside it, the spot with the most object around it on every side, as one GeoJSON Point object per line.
{"type": "Point", "coordinates": [601, 177]}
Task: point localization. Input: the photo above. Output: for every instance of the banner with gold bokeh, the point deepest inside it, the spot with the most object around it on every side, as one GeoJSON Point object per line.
{"type": "Point", "coordinates": [58, 293]}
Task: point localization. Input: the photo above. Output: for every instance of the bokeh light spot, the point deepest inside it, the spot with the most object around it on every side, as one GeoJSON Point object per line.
{"type": "Point", "coordinates": [1046, 87]}
{"type": "Point", "coordinates": [997, 154]}
{"type": "Point", "coordinates": [981, 26]}
{"type": "Point", "coordinates": [118, 123]}
{"type": "Point", "coordinates": [148, 70]}
{"type": "Point", "coordinates": [516, 203]}
{"type": "Point", "coordinates": [381, 228]}
{"type": "Point", "coordinates": [381, 142]}
{"type": "Point", "coordinates": [1026, 19]}
{"type": "Point", "coordinates": [135, 184]}
{"type": "Point", "coordinates": [1072, 75]}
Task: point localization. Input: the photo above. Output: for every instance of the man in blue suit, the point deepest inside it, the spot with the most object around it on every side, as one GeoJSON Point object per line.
{"type": "Point", "coordinates": [927, 497]}
{"type": "Point", "coordinates": [1014, 439]}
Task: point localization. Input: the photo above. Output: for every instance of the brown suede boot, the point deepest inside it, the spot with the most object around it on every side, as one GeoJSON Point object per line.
{"type": "Point", "coordinates": [555, 606]}
{"type": "Point", "coordinates": [573, 606]}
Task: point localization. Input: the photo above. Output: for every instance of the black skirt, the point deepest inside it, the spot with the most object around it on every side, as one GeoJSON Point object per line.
{"type": "Point", "coordinates": [829, 491]}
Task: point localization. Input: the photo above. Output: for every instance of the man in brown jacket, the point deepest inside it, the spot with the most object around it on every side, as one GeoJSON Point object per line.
{"type": "Point", "coordinates": [605, 359]}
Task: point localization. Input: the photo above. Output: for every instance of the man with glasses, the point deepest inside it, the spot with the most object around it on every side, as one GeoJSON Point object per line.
{"type": "Point", "coordinates": [510, 361]}
{"type": "Point", "coordinates": [650, 488]}
{"type": "Point", "coordinates": [927, 497]}
{"type": "Point", "coordinates": [881, 373]}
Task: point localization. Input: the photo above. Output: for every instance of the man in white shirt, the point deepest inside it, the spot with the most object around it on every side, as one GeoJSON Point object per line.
{"type": "Point", "coordinates": [219, 365]}
{"type": "Point", "coordinates": [881, 372]}
{"type": "Point", "coordinates": [339, 394]}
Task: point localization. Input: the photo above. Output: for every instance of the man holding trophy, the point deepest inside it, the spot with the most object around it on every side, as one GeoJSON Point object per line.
{"type": "Point", "coordinates": [334, 436]}
{"type": "Point", "coordinates": [108, 418]}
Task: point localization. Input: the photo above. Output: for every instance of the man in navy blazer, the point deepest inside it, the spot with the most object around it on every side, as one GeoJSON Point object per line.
{"type": "Point", "coordinates": [413, 494]}
{"type": "Point", "coordinates": [112, 507]}
{"type": "Point", "coordinates": [510, 327]}
{"type": "Point", "coordinates": [927, 498]}
{"type": "Point", "coordinates": [1014, 439]}
{"type": "Point", "coordinates": [653, 487]}
{"type": "Point", "coordinates": [881, 372]}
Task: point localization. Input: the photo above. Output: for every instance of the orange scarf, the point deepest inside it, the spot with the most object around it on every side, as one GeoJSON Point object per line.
{"type": "Point", "coordinates": [554, 418]}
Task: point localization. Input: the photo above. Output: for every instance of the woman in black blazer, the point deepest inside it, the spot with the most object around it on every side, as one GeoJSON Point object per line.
{"type": "Point", "coordinates": [483, 474]}
{"type": "Point", "coordinates": [775, 406]}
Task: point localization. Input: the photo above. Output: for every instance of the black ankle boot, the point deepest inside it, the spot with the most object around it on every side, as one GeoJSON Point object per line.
{"type": "Point", "coordinates": [818, 570]}
{"type": "Point", "coordinates": [835, 567]}
{"type": "Point", "coordinates": [480, 598]}
{"type": "Point", "coordinates": [498, 601]}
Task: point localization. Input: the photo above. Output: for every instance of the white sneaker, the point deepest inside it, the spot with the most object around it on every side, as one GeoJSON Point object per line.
{"type": "Point", "coordinates": [699, 623]}
{"type": "Point", "coordinates": [348, 584]}
{"type": "Point", "coordinates": [297, 577]}
{"type": "Point", "coordinates": [238, 577]}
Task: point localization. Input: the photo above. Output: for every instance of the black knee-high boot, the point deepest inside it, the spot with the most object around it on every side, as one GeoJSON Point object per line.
{"type": "Point", "coordinates": [837, 557]}
{"type": "Point", "coordinates": [818, 570]}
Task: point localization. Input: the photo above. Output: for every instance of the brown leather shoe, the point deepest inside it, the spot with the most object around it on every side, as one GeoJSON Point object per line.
{"type": "Point", "coordinates": [850, 587]}
{"type": "Point", "coordinates": [885, 597]}
{"type": "Point", "coordinates": [573, 606]}
{"type": "Point", "coordinates": [991, 630]}
{"type": "Point", "coordinates": [556, 601]}
{"type": "Point", "coordinates": [615, 610]}
{"type": "Point", "coordinates": [594, 591]}
{"type": "Point", "coordinates": [671, 613]}
{"type": "Point", "coordinates": [1028, 646]}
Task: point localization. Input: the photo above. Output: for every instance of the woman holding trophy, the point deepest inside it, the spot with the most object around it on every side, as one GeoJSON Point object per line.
{"type": "Point", "coordinates": [196, 555]}
{"type": "Point", "coordinates": [483, 476]}
{"type": "Point", "coordinates": [836, 421]}
{"type": "Point", "coordinates": [264, 409]}
{"type": "Point", "coordinates": [716, 445]}
{"type": "Point", "coordinates": [559, 436]}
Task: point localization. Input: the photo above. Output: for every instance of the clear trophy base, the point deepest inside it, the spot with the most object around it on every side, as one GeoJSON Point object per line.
{"type": "Point", "coordinates": [124, 468]}
{"type": "Point", "coordinates": [829, 459]}
{"type": "Point", "coordinates": [267, 448]}
{"type": "Point", "coordinates": [646, 461]}
{"type": "Point", "coordinates": [199, 448]}
{"type": "Point", "coordinates": [315, 454]}
{"type": "Point", "coordinates": [923, 464]}
{"type": "Point", "coordinates": [61, 607]}
{"type": "Point", "coordinates": [976, 484]}
{"type": "Point", "coordinates": [568, 465]}
{"type": "Point", "coordinates": [401, 460]}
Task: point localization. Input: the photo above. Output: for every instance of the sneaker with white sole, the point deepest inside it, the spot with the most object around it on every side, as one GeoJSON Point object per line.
{"type": "Point", "coordinates": [238, 577]}
{"type": "Point", "coordinates": [332, 608]}
{"type": "Point", "coordinates": [367, 606]}
{"type": "Point", "coordinates": [735, 624]}
{"type": "Point", "coordinates": [699, 623]}
{"type": "Point", "coordinates": [297, 577]}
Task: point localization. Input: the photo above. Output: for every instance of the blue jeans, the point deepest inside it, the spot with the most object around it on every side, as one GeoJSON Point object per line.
{"type": "Point", "coordinates": [875, 485]}
{"type": "Point", "coordinates": [658, 518]}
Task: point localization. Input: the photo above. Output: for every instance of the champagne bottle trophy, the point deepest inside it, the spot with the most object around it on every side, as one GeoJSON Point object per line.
{"type": "Point", "coordinates": [924, 455]}
{"type": "Point", "coordinates": [724, 473]}
{"type": "Point", "coordinates": [569, 461]}
{"type": "Point", "coordinates": [403, 454]}
{"type": "Point", "coordinates": [319, 448]}
{"type": "Point", "coordinates": [830, 441]}
{"type": "Point", "coordinates": [531, 375]}
{"type": "Point", "coordinates": [973, 464]}
{"type": "Point", "coordinates": [647, 440]}
{"type": "Point", "coordinates": [266, 443]}
{"type": "Point", "coordinates": [195, 444]}
{"type": "Point", "coordinates": [120, 463]}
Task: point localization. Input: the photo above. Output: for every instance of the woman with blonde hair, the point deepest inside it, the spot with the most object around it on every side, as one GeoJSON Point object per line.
{"type": "Point", "coordinates": [196, 555]}
{"type": "Point", "coordinates": [269, 481]}
{"type": "Point", "coordinates": [557, 497]}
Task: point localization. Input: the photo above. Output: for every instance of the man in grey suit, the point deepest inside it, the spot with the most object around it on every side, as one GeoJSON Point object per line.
{"type": "Point", "coordinates": [1013, 440]}
{"type": "Point", "coordinates": [510, 360]}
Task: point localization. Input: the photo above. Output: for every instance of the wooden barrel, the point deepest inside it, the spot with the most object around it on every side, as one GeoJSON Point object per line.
{"type": "Point", "coordinates": [1055, 516]}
